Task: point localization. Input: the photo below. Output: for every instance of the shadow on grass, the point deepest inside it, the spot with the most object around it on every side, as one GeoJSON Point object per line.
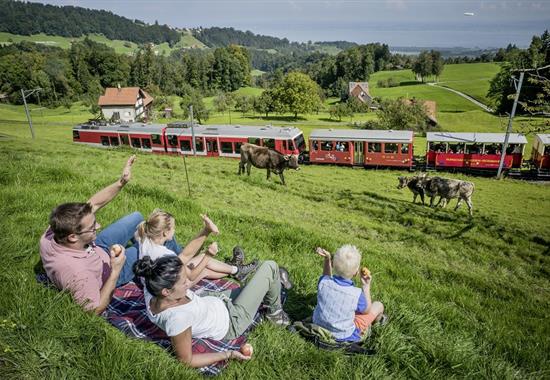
{"type": "Point", "coordinates": [277, 118]}
{"type": "Point", "coordinates": [409, 83]}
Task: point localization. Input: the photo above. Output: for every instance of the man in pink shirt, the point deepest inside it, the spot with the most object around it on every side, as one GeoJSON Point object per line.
{"type": "Point", "coordinates": [76, 258]}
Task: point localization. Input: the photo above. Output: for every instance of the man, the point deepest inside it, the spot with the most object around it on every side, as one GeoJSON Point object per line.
{"type": "Point", "coordinates": [75, 256]}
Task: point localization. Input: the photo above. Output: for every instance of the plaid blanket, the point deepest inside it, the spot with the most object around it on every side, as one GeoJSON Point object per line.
{"type": "Point", "coordinates": [127, 313]}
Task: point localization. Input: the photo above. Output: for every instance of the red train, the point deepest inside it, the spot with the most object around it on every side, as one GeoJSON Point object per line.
{"type": "Point", "coordinates": [361, 147]}
{"type": "Point", "coordinates": [480, 151]}
{"type": "Point", "coordinates": [176, 138]}
{"type": "Point", "coordinates": [353, 147]}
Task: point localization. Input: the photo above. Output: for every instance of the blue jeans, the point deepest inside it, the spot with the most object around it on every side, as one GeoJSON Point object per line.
{"type": "Point", "coordinates": [121, 232]}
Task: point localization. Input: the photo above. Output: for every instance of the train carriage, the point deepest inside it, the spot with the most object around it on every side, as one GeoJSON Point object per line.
{"type": "Point", "coordinates": [540, 155]}
{"type": "Point", "coordinates": [480, 151]}
{"type": "Point", "coordinates": [226, 140]}
{"type": "Point", "coordinates": [361, 147]}
{"type": "Point", "coordinates": [147, 137]}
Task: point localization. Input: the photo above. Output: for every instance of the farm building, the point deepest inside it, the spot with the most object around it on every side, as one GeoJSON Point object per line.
{"type": "Point", "coordinates": [125, 104]}
{"type": "Point", "coordinates": [360, 91]}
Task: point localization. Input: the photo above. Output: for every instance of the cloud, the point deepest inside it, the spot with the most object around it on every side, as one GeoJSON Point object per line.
{"type": "Point", "coordinates": [396, 5]}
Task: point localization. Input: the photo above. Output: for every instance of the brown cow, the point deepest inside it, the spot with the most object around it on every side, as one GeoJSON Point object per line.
{"type": "Point", "coordinates": [452, 188]}
{"type": "Point", "coordinates": [265, 158]}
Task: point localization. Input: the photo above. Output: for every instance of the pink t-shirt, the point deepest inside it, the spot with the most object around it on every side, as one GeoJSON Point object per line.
{"type": "Point", "coordinates": [81, 272]}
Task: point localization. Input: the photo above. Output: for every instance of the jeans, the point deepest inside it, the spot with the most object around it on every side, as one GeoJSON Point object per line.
{"type": "Point", "coordinates": [121, 232]}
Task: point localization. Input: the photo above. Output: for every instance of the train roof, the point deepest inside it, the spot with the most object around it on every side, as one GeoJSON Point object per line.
{"type": "Point", "coordinates": [237, 131]}
{"type": "Point", "coordinates": [130, 128]}
{"type": "Point", "coordinates": [362, 135]}
{"type": "Point", "coordinates": [468, 137]}
{"type": "Point", "coordinates": [544, 138]}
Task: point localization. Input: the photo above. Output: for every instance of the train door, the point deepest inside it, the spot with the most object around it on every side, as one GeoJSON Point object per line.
{"type": "Point", "coordinates": [212, 147]}
{"type": "Point", "coordinates": [124, 139]}
{"type": "Point", "coordinates": [358, 152]}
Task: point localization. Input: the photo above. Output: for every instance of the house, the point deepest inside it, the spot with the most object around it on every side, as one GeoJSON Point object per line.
{"type": "Point", "coordinates": [429, 105]}
{"type": "Point", "coordinates": [125, 104]}
{"type": "Point", "coordinates": [360, 90]}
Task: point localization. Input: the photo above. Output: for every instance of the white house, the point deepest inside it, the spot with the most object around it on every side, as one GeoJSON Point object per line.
{"type": "Point", "coordinates": [125, 104]}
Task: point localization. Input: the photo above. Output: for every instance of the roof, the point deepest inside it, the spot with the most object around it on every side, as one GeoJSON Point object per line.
{"type": "Point", "coordinates": [467, 137]}
{"type": "Point", "coordinates": [124, 96]}
{"type": "Point", "coordinates": [544, 138]}
{"type": "Point", "coordinates": [362, 86]}
{"type": "Point", "coordinates": [362, 135]}
{"type": "Point", "coordinates": [430, 105]}
{"type": "Point", "coordinates": [237, 131]}
{"type": "Point", "coordinates": [130, 128]}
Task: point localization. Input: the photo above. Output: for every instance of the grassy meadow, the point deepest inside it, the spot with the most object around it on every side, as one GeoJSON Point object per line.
{"type": "Point", "coordinates": [466, 297]}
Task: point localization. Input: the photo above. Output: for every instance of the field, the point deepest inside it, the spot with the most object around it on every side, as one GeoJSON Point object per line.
{"type": "Point", "coordinates": [466, 297]}
{"type": "Point", "coordinates": [121, 47]}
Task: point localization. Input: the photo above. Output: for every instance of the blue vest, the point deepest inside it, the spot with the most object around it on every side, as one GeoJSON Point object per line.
{"type": "Point", "coordinates": [336, 305]}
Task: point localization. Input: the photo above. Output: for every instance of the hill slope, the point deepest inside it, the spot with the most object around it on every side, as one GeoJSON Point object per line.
{"type": "Point", "coordinates": [466, 297]}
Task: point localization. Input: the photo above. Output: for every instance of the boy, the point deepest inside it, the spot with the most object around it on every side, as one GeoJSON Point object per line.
{"type": "Point", "coordinates": [344, 310]}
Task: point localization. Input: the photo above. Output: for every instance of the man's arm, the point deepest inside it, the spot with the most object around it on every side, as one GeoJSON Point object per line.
{"type": "Point", "coordinates": [107, 194]}
{"type": "Point", "coordinates": [106, 292]}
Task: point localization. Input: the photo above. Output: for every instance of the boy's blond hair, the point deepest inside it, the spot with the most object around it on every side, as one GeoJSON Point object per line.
{"type": "Point", "coordinates": [346, 261]}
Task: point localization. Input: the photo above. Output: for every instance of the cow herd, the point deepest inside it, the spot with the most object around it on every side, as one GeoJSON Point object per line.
{"type": "Point", "coordinates": [423, 185]}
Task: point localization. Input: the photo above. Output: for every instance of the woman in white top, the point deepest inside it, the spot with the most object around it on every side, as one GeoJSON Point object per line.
{"type": "Point", "coordinates": [156, 239]}
{"type": "Point", "coordinates": [183, 315]}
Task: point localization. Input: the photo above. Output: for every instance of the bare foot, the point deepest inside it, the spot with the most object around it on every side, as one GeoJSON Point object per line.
{"type": "Point", "coordinates": [209, 225]}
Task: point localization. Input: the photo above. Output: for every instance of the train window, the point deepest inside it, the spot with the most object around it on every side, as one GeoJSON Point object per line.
{"type": "Point", "coordinates": [473, 149]}
{"type": "Point", "coordinates": [404, 148]}
{"type": "Point", "coordinates": [136, 143]}
{"type": "Point", "coordinates": [390, 148]}
{"type": "Point", "coordinates": [76, 135]}
{"type": "Point", "coordinates": [114, 141]}
{"type": "Point", "coordinates": [375, 148]}
{"type": "Point", "coordinates": [173, 140]}
{"type": "Point", "coordinates": [185, 145]}
{"type": "Point", "coordinates": [254, 140]}
{"type": "Point", "coordinates": [547, 150]}
{"type": "Point", "coordinates": [315, 145]}
{"type": "Point", "coordinates": [493, 149]}
{"type": "Point", "coordinates": [290, 144]}
{"type": "Point", "coordinates": [299, 142]}
{"type": "Point", "coordinates": [342, 146]}
{"type": "Point", "coordinates": [513, 149]}
{"type": "Point", "coordinates": [227, 147]}
{"type": "Point", "coordinates": [238, 147]}
{"type": "Point", "coordinates": [270, 143]}
{"type": "Point", "coordinates": [146, 143]}
{"type": "Point", "coordinates": [199, 145]}
{"type": "Point", "coordinates": [156, 139]}
{"type": "Point", "coordinates": [124, 139]}
{"type": "Point", "coordinates": [326, 145]}
{"type": "Point", "coordinates": [105, 141]}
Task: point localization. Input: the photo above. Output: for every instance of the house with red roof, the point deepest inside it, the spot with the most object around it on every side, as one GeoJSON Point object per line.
{"type": "Point", "coordinates": [125, 104]}
{"type": "Point", "coordinates": [360, 91]}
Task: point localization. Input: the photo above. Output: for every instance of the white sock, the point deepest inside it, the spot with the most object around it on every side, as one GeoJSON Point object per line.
{"type": "Point", "coordinates": [234, 269]}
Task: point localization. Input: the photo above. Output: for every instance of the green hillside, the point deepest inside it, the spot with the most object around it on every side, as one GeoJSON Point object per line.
{"type": "Point", "coordinates": [121, 47]}
{"type": "Point", "coordinates": [466, 298]}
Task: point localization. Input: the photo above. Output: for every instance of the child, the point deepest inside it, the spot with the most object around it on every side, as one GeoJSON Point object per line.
{"type": "Point", "coordinates": [346, 311]}
{"type": "Point", "coordinates": [156, 239]}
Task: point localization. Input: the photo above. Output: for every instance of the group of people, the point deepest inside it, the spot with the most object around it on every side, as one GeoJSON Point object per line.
{"type": "Point", "coordinates": [90, 264]}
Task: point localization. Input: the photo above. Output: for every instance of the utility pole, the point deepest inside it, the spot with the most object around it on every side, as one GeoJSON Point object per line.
{"type": "Point", "coordinates": [509, 129]}
{"type": "Point", "coordinates": [24, 95]}
{"type": "Point", "coordinates": [192, 129]}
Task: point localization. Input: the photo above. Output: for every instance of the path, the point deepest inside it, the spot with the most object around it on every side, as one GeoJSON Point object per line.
{"type": "Point", "coordinates": [476, 102]}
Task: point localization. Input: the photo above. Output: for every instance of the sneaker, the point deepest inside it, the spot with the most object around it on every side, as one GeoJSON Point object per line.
{"type": "Point", "coordinates": [238, 256]}
{"type": "Point", "coordinates": [383, 320]}
{"type": "Point", "coordinates": [244, 270]}
{"type": "Point", "coordinates": [285, 278]}
{"type": "Point", "coordinates": [280, 318]}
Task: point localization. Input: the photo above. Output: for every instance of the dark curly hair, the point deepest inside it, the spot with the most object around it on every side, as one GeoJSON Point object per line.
{"type": "Point", "coordinates": [162, 273]}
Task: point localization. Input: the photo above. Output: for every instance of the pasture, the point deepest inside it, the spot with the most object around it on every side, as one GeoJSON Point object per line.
{"type": "Point", "coordinates": [465, 297]}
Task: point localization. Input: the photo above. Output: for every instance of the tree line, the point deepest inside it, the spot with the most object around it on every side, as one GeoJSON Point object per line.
{"type": "Point", "coordinates": [26, 18]}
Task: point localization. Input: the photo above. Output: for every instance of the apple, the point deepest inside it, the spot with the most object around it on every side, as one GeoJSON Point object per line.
{"type": "Point", "coordinates": [365, 272]}
{"type": "Point", "coordinates": [246, 349]}
{"type": "Point", "coordinates": [116, 250]}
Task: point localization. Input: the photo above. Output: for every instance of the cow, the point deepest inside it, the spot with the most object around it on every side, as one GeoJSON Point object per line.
{"type": "Point", "coordinates": [265, 158]}
{"type": "Point", "coordinates": [418, 185]}
{"type": "Point", "coordinates": [448, 189]}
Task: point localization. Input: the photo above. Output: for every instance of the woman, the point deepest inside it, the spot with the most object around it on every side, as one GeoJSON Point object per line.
{"type": "Point", "coordinates": [183, 315]}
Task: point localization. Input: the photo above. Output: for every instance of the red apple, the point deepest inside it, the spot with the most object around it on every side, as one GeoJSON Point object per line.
{"type": "Point", "coordinates": [246, 349]}
{"type": "Point", "coordinates": [116, 250]}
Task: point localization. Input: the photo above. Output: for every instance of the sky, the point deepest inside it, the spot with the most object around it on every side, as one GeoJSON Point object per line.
{"type": "Point", "coordinates": [424, 23]}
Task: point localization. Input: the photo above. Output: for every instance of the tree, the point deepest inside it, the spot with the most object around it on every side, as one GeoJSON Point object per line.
{"type": "Point", "coordinates": [265, 103]}
{"type": "Point", "coordinates": [400, 114]}
{"type": "Point", "coordinates": [200, 112]}
{"type": "Point", "coordinates": [297, 93]}
{"type": "Point", "coordinates": [243, 104]}
{"type": "Point", "coordinates": [340, 110]}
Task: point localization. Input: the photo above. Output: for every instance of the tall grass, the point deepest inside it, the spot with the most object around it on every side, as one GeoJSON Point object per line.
{"type": "Point", "coordinates": [466, 297]}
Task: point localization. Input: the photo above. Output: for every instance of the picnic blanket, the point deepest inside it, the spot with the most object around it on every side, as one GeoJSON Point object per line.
{"type": "Point", "coordinates": [127, 313]}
